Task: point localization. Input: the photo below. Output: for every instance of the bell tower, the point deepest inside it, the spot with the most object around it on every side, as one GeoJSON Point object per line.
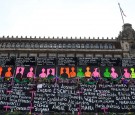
{"type": "Point", "coordinates": [127, 40]}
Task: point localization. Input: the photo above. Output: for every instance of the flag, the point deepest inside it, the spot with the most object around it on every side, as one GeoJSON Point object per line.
{"type": "Point", "coordinates": [121, 10]}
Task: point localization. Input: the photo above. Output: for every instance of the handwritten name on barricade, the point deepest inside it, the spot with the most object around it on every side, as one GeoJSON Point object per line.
{"type": "Point", "coordinates": [25, 61]}
{"type": "Point", "coordinates": [4, 94]}
{"type": "Point", "coordinates": [88, 61]}
{"type": "Point", "coordinates": [7, 61]}
{"type": "Point", "coordinates": [52, 97]}
{"type": "Point", "coordinates": [128, 62]}
{"type": "Point", "coordinates": [20, 97]}
{"type": "Point", "coordinates": [48, 61]}
{"type": "Point", "coordinates": [110, 62]}
{"type": "Point", "coordinates": [64, 96]}
{"type": "Point", "coordinates": [67, 61]}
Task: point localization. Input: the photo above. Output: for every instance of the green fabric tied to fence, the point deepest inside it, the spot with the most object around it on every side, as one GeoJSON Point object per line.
{"type": "Point", "coordinates": [21, 81]}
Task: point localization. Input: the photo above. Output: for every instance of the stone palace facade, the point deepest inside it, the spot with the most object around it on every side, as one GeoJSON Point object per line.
{"type": "Point", "coordinates": [121, 46]}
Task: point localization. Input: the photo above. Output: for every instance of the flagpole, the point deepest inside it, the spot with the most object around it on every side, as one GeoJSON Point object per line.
{"type": "Point", "coordinates": [121, 13]}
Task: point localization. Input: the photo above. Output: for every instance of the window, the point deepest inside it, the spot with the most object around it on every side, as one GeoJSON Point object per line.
{"type": "Point", "coordinates": [32, 45]}
{"type": "Point", "coordinates": [36, 45]}
{"type": "Point", "coordinates": [79, 55]}
{"type": "Point", "coordinates": [110, 46]}
{"type": "Point", "coordinates": [96, 46]}
{"type": "Point", "coordinates": [101, 46]}
{"type": "Point", "coordinates": [73, 46]}
{"type": "Point", "coordinates": [8, 45]}
{"type": "Point", "coordinates": [117, 56]}
{"type": "Point", "coordinates": [23, 55]}
{"type": "Point", "coordinates": [69, 46]}
{"type": "Point", "coordinates": [41, 45]}
{"type": "Point", "coordinates": [77, 46]}
{"type": "Point", "coordinates": [70, 55]}
{"type": "Point", "coordinates": [45, 45]}
{"type": "Point", "coordinates": [55, 46]}
{"type": "Point", "coordinates": [98, 55]}
{"type": "Point", "coordinates": [52, 54]}
{"type": "Point", "coordinates": [87, 46]}
{"type": "Point", "coordinates": [61, 55]}
{"type": "Point", "coordinates": [17, 45]}
{"type": "Point", "coordinates": [113, 46]}
{"type": "Point", "coordinates": [127, 46]}
{"type": "Point", "coordinates": [108, 55]}
{"type": "Point", "coordinates": [59, 46]}
{"type": "Point", "coordinates": [105, 46]}
{"type": "Point", "coordinates": [82, 46]}
{"type": "Point", "coordinates": [0, 44]}
{"type": "Point", "coordinates": [27, 45]}
{"type": "Point", "coordinates": [22, 45]}
{"type": "Point", "coordinates": [3, 45]}
{"type": "Point", "coordinates": [89, 55]}
{"type": "Point", "coordinates": [33, 55]}
{"type": "Point", "coordinates": [13, 45]}
{"type": "Point", "coordinates": [13, 54]}
{"type": "Point", "coordinates": [64, 46]}
{"type": "Point", "coordinates": [126, 55]}
{"type": "Point", "coordinates": [4, 54]}
{"type": "Point", "coordinates": [49, 45]}
{"type": "Point", "coordinates": [91, 46]}
{"type": "Point", "coordinates": [42, 54]}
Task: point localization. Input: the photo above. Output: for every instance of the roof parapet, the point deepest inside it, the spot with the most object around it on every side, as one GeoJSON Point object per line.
{"type": "Point", "coordinates": [53, 37]}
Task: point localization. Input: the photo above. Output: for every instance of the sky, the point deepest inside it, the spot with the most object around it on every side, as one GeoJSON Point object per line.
{"type": "Point", "coordinates": [76, 18]}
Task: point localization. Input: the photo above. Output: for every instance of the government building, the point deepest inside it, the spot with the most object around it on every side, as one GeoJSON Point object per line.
{"type": "Point", "coordinates": [121, 46]}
